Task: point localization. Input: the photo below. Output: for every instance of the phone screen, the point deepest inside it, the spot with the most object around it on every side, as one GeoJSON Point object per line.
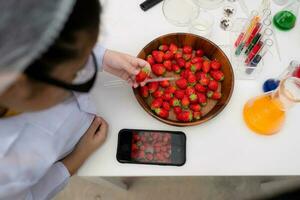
{"type": "Point", "coordinates": [151, 147]}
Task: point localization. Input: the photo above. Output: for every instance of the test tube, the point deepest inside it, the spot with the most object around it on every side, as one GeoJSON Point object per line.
{"type": "Point", "coordinates": [261, 53]}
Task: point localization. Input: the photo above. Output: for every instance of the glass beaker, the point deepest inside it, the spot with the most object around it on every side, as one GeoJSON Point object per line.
{"type": "Point", "coordinates": [265, 114]}
{"type": "Point", "coordinates": [203, 24]}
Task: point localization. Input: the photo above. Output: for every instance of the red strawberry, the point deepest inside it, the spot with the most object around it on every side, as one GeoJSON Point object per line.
{"type": "Point", "coordinates": [184, 74]}
{"type": "Point", "coordinates": [187, 57]}
{"type": "Point", "coordinates": [158, 69]}
{"type": "Point", "coordinates": [149, 156]}
{"type": "Point", "coordinates": [167, 96]}
{"type": "Point", "coordinates": [162, 112]}
{"type": "Point", "coordinates": [215, 65]}
{"type": "Point", "coordinates": [144, 91]}
{"type": "Point", "coordinates": [200, 88]}
{"type": "Point", "coordinates": [142, 75]}
{"type": "Point", "coordinates": [188, 65]}
{"type": "Point", "coordinates": [200, 52]}
{"type": "Point", "coordinates": [185, 116]}
{"type": "Point", "coordinates": [163, 47]}
{"type": "Point", "coordinates": [213, 85]}
{"type": "Point", "coordinates": [156, 103]}
{"type": "Point", "coordinates": [196, 67]}
{"type": "Point", "coordinates": [216, 96]}
{"type": "Point", "coordinates": [202, 99]}
{"type": "Point", "coordinates": [198, 75]}
{"type": "Point", "coordinates": [153, 86]}
{"type": "Point", "coordinates": [158, 56]}
{"type": "Point", "coordinates": [174, 102]}
{"type": "Point", "coordinates": [168, 65]}
{"type": "Point", "coordinates": [176, 68]}
{"type": "Point", "coordinates": [217, 75]}
{"type": "Point", "coordinates": [157, 94]}
{"type": "Point", "coordinates": [197, 60]}
{"type": "Point", "coordinates": [164, 83]}
{"type": "Point", "coordinates": [168, 55]}
{"type": "Point", "coordinates": [206, 66]}
{"type": "Point", "coordinates": [185, 102]}
{"type": "Point", "coordinates": [171, 89]}
{"type": "Point", "coordinates": [179, 94]}
{"type": "Point", "coordinates": [197, 115]}
{"type": "Point", "coordinates": [187, 49]}
{"type": "Point", "coordinates": [177, 110]}
{"type": "Point", "coordinates": [204, 81]}
{"type": "Point", "coordinates": [182, 83]}
{"type": "Point", "coordinates": [178, 55]}
{"type": "Point", "coordinates": [181, 62]}
{"type": "Point", "coordinates": [150, 60]}
{"type": "Point", "coordinates": [141, 155]}
{"type": "Point", "coordinates": [192, 79]}
{"type": "Point", "coordinates": [195, 107]}
{"type": "Point", "coordinates": [209, 93]}
{"type": "Point", "coordinates": [189, 90]}
{"type": "Point", "coordinates": [173, 48]}
{"type": "Point", "coordinates": [193, 98]}
{"type": "Point", "coordinates": [166, 105]}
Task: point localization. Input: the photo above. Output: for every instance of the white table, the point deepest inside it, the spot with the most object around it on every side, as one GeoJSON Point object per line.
{"type": "Point", "coordinates": [222, 146]}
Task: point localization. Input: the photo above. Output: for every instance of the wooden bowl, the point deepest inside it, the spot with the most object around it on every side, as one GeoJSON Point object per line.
{"type": "Point", "coordinates": [212, 51]}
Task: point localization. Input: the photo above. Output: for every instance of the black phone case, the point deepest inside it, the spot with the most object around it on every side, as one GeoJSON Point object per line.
{"type": "Point", "coordinates": [151, 163]}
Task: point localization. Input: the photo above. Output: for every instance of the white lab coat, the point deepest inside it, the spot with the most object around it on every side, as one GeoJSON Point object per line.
{"type": "Point", "coordinates": [31, 145]}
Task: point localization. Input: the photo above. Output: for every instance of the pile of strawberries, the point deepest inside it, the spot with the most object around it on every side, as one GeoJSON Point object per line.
{"type": "Point", "coordinates": [199, 80]}
{"type": "Point", "coordinates": [151, 146]}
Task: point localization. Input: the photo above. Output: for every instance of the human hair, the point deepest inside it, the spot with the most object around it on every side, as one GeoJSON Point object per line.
{"type": "Point", "coordinates": [85, 16]}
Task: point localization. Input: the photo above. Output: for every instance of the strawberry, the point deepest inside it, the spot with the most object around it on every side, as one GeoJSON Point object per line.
{"type": "Point", "coordinates": [181, 62]}
{"type": "Point", "coordinates": [168, 65]}
{"type": "Point", "coordinates": [188, 65]}
{"type": "Point", "coordinates": [200, 52]}
{"type": "Point", "coordinates": [177, 110]}
{"type": "Point", "coordinates": [215, 65]}
{"type": "Point", "coordinates": [185, 116]}
{"type": "Point", "coordinates": [195, 107]}
{"type": "Point", "coordinates": [192, 79]}
{"type": "Point", "coordinates": [178, 55]}
{"type": "Point", "coordinates": [200, 88]}
{"type": "Point", "coordinates": [216, 95]}
{"type": "Point", "coordinates": [174, 102]}
{"type": "Point", "coordinates": [168, 55]}
{"type": "Point", "coordinates": [156, 103]}
{"type": "Point", "coordinates": [202, 99]}
{"type": "Point", "coordinates": [185, 102]}
{"type": "Point", "coordinates": [206, 66]}
{"type": "Point", "coordinates": [164, 83]}
{"type": "Point", "coordinates": [209, 93]}
{"type": "Point", "coordinates": [182, 83]}
{"type": "Point", "coordinates": [187, 49]}
{"type": "Point", "coordinates": [217, 75]}
{"type": "Point", "coordinates": [142, 75]}
{"type": "Point", "coordinates": [144, 91]}
{"type": "Point", "coordinates": [163, 47]}
{"type": "Point", "coordinates": [150, 60]}
{"type": "Point", "coordinates": [158, 69]}
{"type": "Point", "coordinates": [162, 113]}
{"type": "Point", "coordinates": [141, 155]}
{"type": "Point", "coordinates": [197, 60]}
{"type": "Point", "coordinates": [176, 68]}
{"type": "Point", "coordinates": [158, 56]}
{"type": "Point", "coordinates": [153, 86]}
{"type": "Point", "coordinates": [171, 89]}
{"type": "Point", "coordinates": [165, 105]}
{"type": "Point", "coordinates": [204, 81]}
{"type": "Point", "coordinates": [189, 90]}
{"type": "Point", "coordinates": [167, 96]}
{"type": "Point", "coordinates": [184, 74]}
{"type": "Point", "coordinates": [173, 48]}
{"type": "Point", "coordinates": [197, 115]}
{"type": "Point", "coordinates": [193, 98]}
{"type": "Point", "coordinates": [149, 156]}
{"type": "Point", "coordinates": [179, 94]}
{"type": "Point", "coordinates": [157, 94]}
{"type": "Point", "coordinates": [196, 67]}
{"type": "Point", "coordinates": [213, 85]}
{"type": "Point", "coordinates": [187, 57]}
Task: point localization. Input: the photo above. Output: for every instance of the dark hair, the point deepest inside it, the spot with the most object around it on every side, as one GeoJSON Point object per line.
{"type": "Point", "coordinates": [84, 16]}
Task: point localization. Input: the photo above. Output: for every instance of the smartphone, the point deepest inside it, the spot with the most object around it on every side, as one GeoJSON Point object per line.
{"type": "Point", "coordinates": [151, 147]}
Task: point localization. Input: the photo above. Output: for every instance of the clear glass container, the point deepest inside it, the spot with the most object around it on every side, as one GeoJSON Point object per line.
{"type": "Point", "coordinates": [203, 24]}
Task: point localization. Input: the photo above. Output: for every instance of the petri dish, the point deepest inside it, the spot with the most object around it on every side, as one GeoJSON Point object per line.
{"type": "Point", "coordinates": [203, 24]}
{"type": "Point", "coordinates": [180, 12]}
{"type": "Point", "coordinates": [209, 4]}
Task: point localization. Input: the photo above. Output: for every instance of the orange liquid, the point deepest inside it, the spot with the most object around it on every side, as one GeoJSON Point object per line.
{"type": "Point", "coordinates": [264, 115]}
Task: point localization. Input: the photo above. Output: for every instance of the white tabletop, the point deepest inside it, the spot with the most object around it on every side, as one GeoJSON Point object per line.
{"type": "Point", "coordinates": [222, 146]}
